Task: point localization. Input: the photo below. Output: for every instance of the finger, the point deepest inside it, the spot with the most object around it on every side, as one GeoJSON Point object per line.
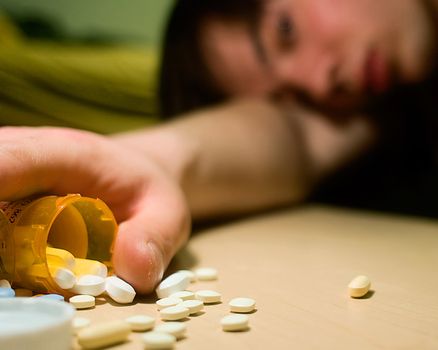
{"type": "Point", "coordinates": [148, 240]}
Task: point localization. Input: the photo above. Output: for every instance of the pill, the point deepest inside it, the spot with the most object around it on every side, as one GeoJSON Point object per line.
{"type": "Point", "coordinates": [119, 290]}
{"type": "Point", "coordinates": [63, 277]}
{"type": "Point", "coordinates": [174, 313]}
{"type": "Point", "coordinates": [206, 274]}
{"type": "Point", "coordinates": [359, 286]}
{"type": "Point", "coordinates": [90, 267]}
{"type": "Point", "coordinates": [6, 292]}
{"type": "Point", "coordinates": [82, 301]}
{"type": "Point", "coordinates": [140, 323]}
{"type": "Point", "coordinates": [80, 323]}
{"type": "Point", "coordinates": [208, 296]}
{"type": "Point", "coordinates": [89, 284]}
{"type": "Point", "coordinates": [177, 329]}
{"type": "Point", "coordinates": [194, 306]}
{"type": "Point", "coordinates": [158, 340]}
{"type": "Point", "coordinates": [60, 257]}
{"type": "Point", "coordinates": [5, 284]}
{"type": "Point", "coordinates": [104, 334]}
{"type": "Point", "coordinates": [242, 305]}
{"type": "Point", "coordinates": [171, 284]}
{"type": "Point", "coordinates": [234, 322]}
{"type": "Point", "coordinates": [184, 295]}
{"type": "Point", "coordinates": [189, 274]}
{"type": "Point", "coordinates": [52, 297]}
{"type": "Point", "coordinates": [167, 302]}
{"type": "Point", "coordinates": [23, 292]}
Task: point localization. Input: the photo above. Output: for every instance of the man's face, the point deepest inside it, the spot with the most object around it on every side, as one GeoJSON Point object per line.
{"type": "Point", "coordinates": [335, 52]}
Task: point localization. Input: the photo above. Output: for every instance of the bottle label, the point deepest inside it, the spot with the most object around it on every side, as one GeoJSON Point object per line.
{"type": "Point", "coordinates": [13, 210]}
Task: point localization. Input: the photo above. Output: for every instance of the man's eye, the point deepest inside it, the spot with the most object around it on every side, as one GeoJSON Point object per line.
{"type": "Point", "coordinates": [286, 32]}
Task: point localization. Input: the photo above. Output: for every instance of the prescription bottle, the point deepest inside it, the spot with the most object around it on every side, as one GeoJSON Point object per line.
{"type": "Point", "coordinates": [84, 226]}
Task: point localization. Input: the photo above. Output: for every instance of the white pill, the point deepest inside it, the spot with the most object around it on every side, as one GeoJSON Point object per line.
{"type": "Point", "coordinates": [104, 334]}
{"type": "Point", "coordinates": [140, 323]}
{"type": "Point", "coordinates": [60, 257]}
{"type": "Point", "coordinates": [359, 286]}
{"type": "Point", "coordinates": [194, 306]}
{"type": "Point", "coordinates": [158, 340]}
{"type": "Point", "coordinates": [242, 305]}
{"type": "Point", "coordinates": [167, 302]}
{"type": "Point", "coordinates": [184, 295]}
{"type": "Point", "coordinates": [5, 284]}
{"type": "Point", "coordinates": [174, 313]}
{"type": "Point", "coordinates": [80, 323]}
{"type": "Point", "coordinates": [90, 267]}
{"type": "Point", "coordinates": [23, 292]}
{"type": "Point", "coordinates": [63, 277]}
{"type": "Point", "coordinates": [206, 274]}
{"type": "Point", "coordinates": [235, 322]}
{"type": "Point", "coordinates": [119, 290]}
{"type": "Point", "coordinates": [82, 301]}
{"type": "Point", "coordinates": [177, 329]}
{"type": "Point", "coordinates": [90, 285]}
{"type": "Point", "coordinates": [189, 274]}
{"type": "Point", "coordinates": [174, 283]}
{"type": "Point", "coordinates": [208, 296]}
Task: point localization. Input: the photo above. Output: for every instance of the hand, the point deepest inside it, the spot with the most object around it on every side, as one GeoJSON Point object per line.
{"type": "Point", "coordinates": [149, 206]}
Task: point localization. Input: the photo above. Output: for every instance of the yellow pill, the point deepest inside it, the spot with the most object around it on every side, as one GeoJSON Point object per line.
{"type": "Point", "coordinates": [60, 257]}
{"type": "Point", "coordinates": [90, 267]}
{"type": "Point", "coordinates": [359, 286]}
{"type": "Point", "coordinates": [104, 334]}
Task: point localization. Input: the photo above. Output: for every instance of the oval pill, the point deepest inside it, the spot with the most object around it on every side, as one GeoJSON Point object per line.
{"type": "Point", "coordinates": [167, 302]}
{"type": "Point", "coordinates": [103, 334]}
{"type": "Point", "coordinates": [194, 306]}
{"type": "Point", "coordinates": [208, 296]}
{"type": "Point", "coordinates": [189, 274]}
{"type": "Point", "coordinates": [183, 295]}
{"type": "Point", "coordinates": [60, 257]}
{"type": "Point", "coordinates": [63, 277]}
{"type": "Point", "coordinates": [158, 340]}
{"type": "Point", "coordinates": [235, 322]}
{"type": "Point", "coordinates": [119, 290]}
{"type": "Point", "coordinates": [177, 329]}
{"type": "Point", "coordinates": [5, 284]}
{"type": "Point", "coordinates": [90, 267]}
{"type": "Point", "coordinates": [174, 313]}
{"type": "Point", "coordinates": [140, 323]}
{"type": "Point", "coordinates": [359, 286]}
{"type": "Point", "coordinates": [56, 297]}
{"type": "Point", "coordinates": [80, 323]}
{"type": "Point", "coordinates": [6, 292]}
{"type": "Point", "coordinates": [206, 274]}
{"type": "Point", "coordinates": [90, 285]}
{"type": "Point", "coordinates": [82, 301]}
{"type": "Point", "coordinates": [171, 284]}
{"type": "Point", "coordinates": [242, 305]}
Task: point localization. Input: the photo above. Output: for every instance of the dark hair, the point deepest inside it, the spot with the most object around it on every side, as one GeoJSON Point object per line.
{"type": "Point", "coordinates": [185, 82]}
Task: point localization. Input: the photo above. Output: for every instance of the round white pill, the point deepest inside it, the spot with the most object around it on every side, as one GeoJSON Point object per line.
{"type": "Point", "coordinates": [174, 313]}
{"type": "Point", "coordinates": [189, 274]}
{"type": "Point", "coordinates": [194, 306]}
{"type": "Point", "coordinates": [158, 340]}
{"type": "Point", "coordinates": [63, 277]}
{"type": "Point", "coordinates": [235, 322]}
{"type": "Point", "coordinates": [80, 323]}
{"type": "Point", "coordinates": [177, 329]}
{"type": "Point", "coordinates": [119, 290]}
{"type": "Point", "coordinates": [82, 301]}
{"type": "Point", "coordinates": [5, 284]}
{"type": "Point", "coordinates": [140, 323]}
{"type": "Point", "coordinates": [208, 296]}
{"type": "Point", "coordinates": [167, 302]}
{"type": "Point", "coordinates": [172, 284]}
{"type": "Point", "coordinates": [90, 285]}
{"type": "Point", "coordinates": [206, 274]}
{"type": "Point", "coordinates": [359, 286]}
{"type": "Point", "coordinates": [184, 295]}
{"type": "Point", "coordinates": [242, 305]}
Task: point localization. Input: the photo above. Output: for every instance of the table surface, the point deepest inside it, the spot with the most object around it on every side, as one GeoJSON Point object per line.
{"type": "Point", "coordinates": [297, 264]}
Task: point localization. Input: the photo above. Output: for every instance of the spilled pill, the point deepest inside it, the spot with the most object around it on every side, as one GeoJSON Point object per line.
{"type": "Point", "coordinates": [177, 329]}
{"type": "Point", "coordinates": [60, 257]}
{"type": "Point", "coordinates": [90, 267]}
{"type": "Point", "coordinates": [174, 313]}
{"type": "Point", "coordinates": [183, 295]}
{"type": "Point", "coordinates": [235, 322]}
{"type": "Point", "coordinates": [167, 302]}
{"type": "Point", "coordinates": [5, 284]}
{"type": "Point", "coordinates": [158, 340]}
{"type": "Point", "coordinates": [359, 286]}
{"type": "Point", "coordinates": [63, 277]}
{"type": "Point", "coordinates": [194, 306]}
{"type": "Point", "coordinates": [119, 290]}
{"type": "Point", "coordinates": [6, 292]}
{"type": "Point", "coordinates": [242, 305]}
{"type": "Point", "coordinates": [82, 301]}
{"type": "Point", "coordinates": [208, 296]}
{"type": "Point", "coordinates": [103, 334]}
{"type": "Point", "coordinates": [140, 323]}
{"type": "Point", "coordinates": [189, 274]}
{"type": "Point", "coordinates": [171, 284]}
{"type": "Point", "coordinates": [89, 284]}
{"type": "Point", "coordinates": [80, 323]}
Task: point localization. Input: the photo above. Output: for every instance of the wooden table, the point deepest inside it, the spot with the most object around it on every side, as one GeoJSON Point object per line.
{"type": "Point", "coordinates": [297, 264]}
